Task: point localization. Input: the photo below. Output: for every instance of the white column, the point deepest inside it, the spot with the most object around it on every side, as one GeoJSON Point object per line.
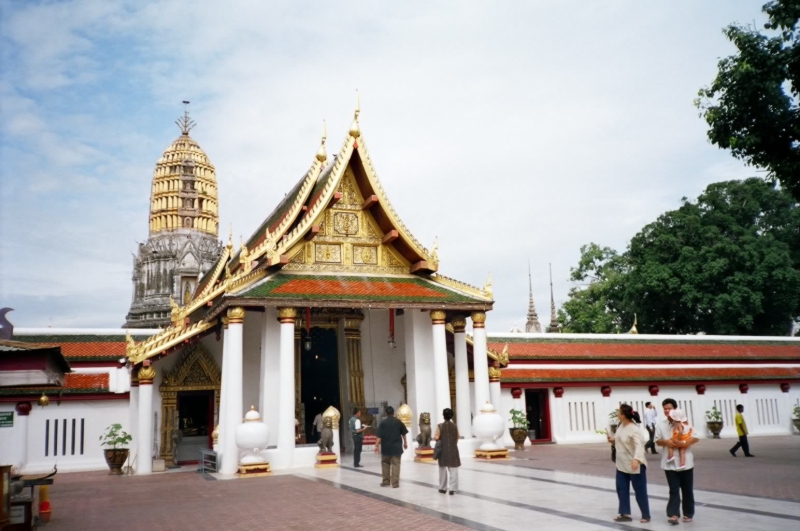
{"type": "Point", "coordinates": [286, 433]}
{"type": "Point", "coordinates": [480, 367]}
{"type": "Point", "coordinates": [270, 380]}
{"type": "Point", "coordinates": [440, 372]}
{"type": "Point", "coordinates": [133, 420]}
{"type": "Point", "coordinates": [223, 399]}
{"type": "Point", "coordinates": [23, 410]}
{"type": "Point", "coordinates": [145, 447]}
{"type": "Point", "coordinates": [463, 409]}
{"type": "Point", "coordinates": [232, 391]}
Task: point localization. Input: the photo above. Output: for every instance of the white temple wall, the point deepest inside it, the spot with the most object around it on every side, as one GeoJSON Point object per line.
{"type": "Point", "coordinates": [94, 415]}
{"type": "Point", "coordinates": [581, 411]}
{"type": "Point", "coordinates": [383, 365]}
{"type": "Point", "coordinates": [9, 436]}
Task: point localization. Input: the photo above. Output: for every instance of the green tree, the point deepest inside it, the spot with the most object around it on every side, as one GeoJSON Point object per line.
{"type": "Point", "coordinates": [728, 263]}
{"type": "Point", "coordinates": [591, 305]}
{"type": "Point", "coordinates": [752, 105]}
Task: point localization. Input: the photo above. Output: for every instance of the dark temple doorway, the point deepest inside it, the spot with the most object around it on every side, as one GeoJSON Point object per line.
{"type": "Point", "coordinates": [196, 421]}
{"type": "Point", "coordinates": [538, 413]}
{"type": "Point", "coordinates": [319, 376]}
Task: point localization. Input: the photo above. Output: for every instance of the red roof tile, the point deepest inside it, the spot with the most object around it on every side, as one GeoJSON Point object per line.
{"type": "Point", "coordinates": [74, 383]}
{"type": "Point", "coordinates": [647, 350]}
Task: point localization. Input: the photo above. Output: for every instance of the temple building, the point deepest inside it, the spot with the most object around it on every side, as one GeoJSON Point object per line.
{"type": "Point", "coordinates": [183, 239]}
{"type": "Point", "coordinates": [332, 304]}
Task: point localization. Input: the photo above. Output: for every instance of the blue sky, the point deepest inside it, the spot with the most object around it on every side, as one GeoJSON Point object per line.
{"type": "Point", "coordinates": [510, 131]}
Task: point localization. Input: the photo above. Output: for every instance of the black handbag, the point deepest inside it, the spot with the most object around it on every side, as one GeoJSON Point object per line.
{"type": "Point", "coordinates": [437, 450]}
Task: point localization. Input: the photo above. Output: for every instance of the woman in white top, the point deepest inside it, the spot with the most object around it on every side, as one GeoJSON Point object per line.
{"type": "Point", "coordinates": [631, 464]}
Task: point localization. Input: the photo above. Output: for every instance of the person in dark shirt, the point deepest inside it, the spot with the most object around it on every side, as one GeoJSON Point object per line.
{"type": "Point", "coordinates": [391, 433]}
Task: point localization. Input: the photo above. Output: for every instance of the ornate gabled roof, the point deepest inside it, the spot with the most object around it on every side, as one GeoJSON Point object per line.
{"type": "Point", "coordinates": [359, 233]}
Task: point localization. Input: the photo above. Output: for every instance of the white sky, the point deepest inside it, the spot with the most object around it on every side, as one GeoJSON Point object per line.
{"type": "Point", "coordinates": [510, 131]}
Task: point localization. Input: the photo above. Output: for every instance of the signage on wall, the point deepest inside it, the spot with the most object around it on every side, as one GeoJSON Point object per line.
{"type": "Point", "coordinates": [7, 419]}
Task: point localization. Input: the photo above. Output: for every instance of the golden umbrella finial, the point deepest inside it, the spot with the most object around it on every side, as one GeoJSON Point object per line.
{"type": "Point", "coordinates": [322, 155]}
{"type": "Point", "coordinates": [230, 237]}
{"type": "Point", "coordinates": [355, 129]}
{"type": "Point", "coordinates": [633, 329]}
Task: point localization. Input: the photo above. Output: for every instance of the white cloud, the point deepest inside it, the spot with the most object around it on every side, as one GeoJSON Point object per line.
{"type": "Point", "coordinates": [509, 131]}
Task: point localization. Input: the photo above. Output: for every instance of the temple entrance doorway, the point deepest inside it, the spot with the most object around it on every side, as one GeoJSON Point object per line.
{"type": "Point", "coordinates": [196, 421]}
{"type": "Point", "coordinates": [538, 413]}
{"type": "Point", "coordinates": [319, 376]}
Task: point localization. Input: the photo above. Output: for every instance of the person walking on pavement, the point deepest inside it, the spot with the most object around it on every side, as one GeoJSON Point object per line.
{"type": "Point", "coordinates": [741, 431]}
{"type": "Point", "coordinates": [680, 481]}
{"type": "Point", "coordinates": [449, 461]}
{"type": "Point", "coordinates": [631, 465]}
{"type": "Point", "coordinates": [390, 443]}
{"type": "Point", "coordinates": [358, 437]}
{"type": "Point", "coordinates": [650, 419]}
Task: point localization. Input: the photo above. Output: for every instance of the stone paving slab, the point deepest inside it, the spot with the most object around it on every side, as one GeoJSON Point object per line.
{"type": "Point", "coordinates": [189, 501]}
{"type": "Point", "coordinates": [773, 473]}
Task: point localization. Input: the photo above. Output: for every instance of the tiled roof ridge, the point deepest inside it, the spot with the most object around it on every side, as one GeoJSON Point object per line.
{"type": "Point", "coordinates": [637, 339]}
{"type": "Point", "coordinates": [73, 383]}
{"type": "Point", "coordinates": [639, 374]}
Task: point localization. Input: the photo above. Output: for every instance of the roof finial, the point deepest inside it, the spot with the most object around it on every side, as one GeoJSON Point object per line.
{"type": "Point", "coordinates": [355, 129]}
{"type": "Point", "coordinates": [532, 325]}
{"type": "Point", "coordinates": [185, 123]}
{"type": "Point", "coordinates": [322, 155]}
{"type": "Point", "coordinates": [554, 326]}
{"type": "Point", "coordinates": [633, 329]}
{"type": "Point", "coordinates": [230, 237]}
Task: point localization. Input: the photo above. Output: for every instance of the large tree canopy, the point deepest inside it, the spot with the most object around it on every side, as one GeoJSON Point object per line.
{"type": "Point", "coordinates": [752, 105]}
{"type": "Point", "coordinates": [728, 263]}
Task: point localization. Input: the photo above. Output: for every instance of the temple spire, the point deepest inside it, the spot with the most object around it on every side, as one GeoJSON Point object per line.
{"type": "Point", "coordinates": [554, 326]}
{"type": "Point", "coordinates": [185, 123]}
{"type": "Point", "coordinates": [532, 325]}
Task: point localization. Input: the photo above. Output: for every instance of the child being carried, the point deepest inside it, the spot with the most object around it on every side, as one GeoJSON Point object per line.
{"type": "Point", "coordinates": [681, 432]}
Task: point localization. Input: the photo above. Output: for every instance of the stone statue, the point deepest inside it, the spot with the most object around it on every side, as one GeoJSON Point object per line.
{"type": "Point", "coordinates": [424, 437]}
{"type": "Point", "coordinates": [325, 442]}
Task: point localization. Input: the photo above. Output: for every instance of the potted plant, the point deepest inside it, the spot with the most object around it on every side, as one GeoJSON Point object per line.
{"type": "Point", "coordinates": [796, 419]}
{"type": "Point", "coordinates": [714, 421]}
{"type": "Point", "coordinates": [115, 441]}
{"type": "Point", "coordinates": [520, 429]}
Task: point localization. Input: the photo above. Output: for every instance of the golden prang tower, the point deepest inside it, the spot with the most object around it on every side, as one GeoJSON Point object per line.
{"type": "Point", "coordinates": [184, 227]}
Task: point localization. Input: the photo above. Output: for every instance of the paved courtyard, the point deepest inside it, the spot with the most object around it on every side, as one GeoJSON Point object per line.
{"type": "Point", "coordinates": [559, 488]}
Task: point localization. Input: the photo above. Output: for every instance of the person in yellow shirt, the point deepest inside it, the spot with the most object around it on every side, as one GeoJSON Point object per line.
{"type": "Point", "coordinates": [741, 431]}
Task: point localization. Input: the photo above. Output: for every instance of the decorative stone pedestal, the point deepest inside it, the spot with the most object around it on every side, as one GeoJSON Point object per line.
{"type": "Point", "coordinates": [424, 455]}
{"type": "Point", "coordinates": [492, 455]}
{"type": "Point", "coordinates": [254, 470]}
{"type": "Point", "coordinates": [326, 460]}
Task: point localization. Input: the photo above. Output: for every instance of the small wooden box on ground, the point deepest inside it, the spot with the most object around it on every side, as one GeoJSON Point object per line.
{"type": "Point", "coordinates": [254, 470]}
{"type": "Point", "coordinates": [326, 460]}
{"type": "Point", "coordinates": [492, 455]}
{"type": "Point", "coordinates": [424, 455]}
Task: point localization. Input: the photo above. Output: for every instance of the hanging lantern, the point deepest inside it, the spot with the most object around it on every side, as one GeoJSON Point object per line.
{"type": "Point", "coordinates": [307, 343]}
{"type": "Point", "coordinates": [392, 343]}
{"type": "Point", "coordinates": [43, 400]}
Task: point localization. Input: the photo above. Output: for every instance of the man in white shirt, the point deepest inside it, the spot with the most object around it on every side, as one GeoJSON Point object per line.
{"type": "Point", "coordinates": [680, 479]}
{"type": "Point", "coordinates": [358, 436]}
{"type": "Point", "coordinates": [650, 418]}
{"type": "Point", "coordinates": [316, 430]}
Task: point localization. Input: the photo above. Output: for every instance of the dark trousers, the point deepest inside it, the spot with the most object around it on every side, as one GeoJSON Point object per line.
{"type": "Point", "coordinates": [639, 482]}
{"type": "Point", "coordinates": [681, 485]}
{"type": "Point", "coordinates": [651, 444]}
{"type": "Point", "coordinates": [743, 444]}
{"type": "Point", "coordinates": [357, 442]}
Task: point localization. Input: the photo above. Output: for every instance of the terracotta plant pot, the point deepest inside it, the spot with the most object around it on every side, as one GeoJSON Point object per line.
{"type": "Point", "coordinates": [714, 427]}
{"type": "Point", "coordinates": [518, 435]}
{"type": "Point", "coordinates": [115, 460]}
{"type": "Point", "coordinates": [796, 423]}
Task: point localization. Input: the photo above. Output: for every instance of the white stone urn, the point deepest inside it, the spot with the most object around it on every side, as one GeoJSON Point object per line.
{"type": "Point", "coordinates": [488, 427]}
{"type": "Point", "coordinates": [252, 436]}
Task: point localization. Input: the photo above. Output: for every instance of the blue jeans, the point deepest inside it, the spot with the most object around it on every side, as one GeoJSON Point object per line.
{"type": "Point", "coordinates": [639, 482]}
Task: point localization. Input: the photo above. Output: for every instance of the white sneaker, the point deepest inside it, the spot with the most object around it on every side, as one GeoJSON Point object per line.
{"type": "Point", "coordinates": [670, 459]}
{"type": "Point", "coordinates": [681, 467]}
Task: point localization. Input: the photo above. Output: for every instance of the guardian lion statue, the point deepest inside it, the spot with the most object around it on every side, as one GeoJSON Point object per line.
{"type": "Point", "coordinates": [325, 442]}
{"type": "Point", "coordinates": [424, 437]}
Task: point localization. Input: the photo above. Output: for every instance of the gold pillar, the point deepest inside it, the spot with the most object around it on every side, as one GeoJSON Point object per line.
{"type": "Point", "coordinates": [452, 374]}
{"type": "Point", "coordinates": [355, 366]}
{"type": "Point", "coordinates": [169, 419]}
